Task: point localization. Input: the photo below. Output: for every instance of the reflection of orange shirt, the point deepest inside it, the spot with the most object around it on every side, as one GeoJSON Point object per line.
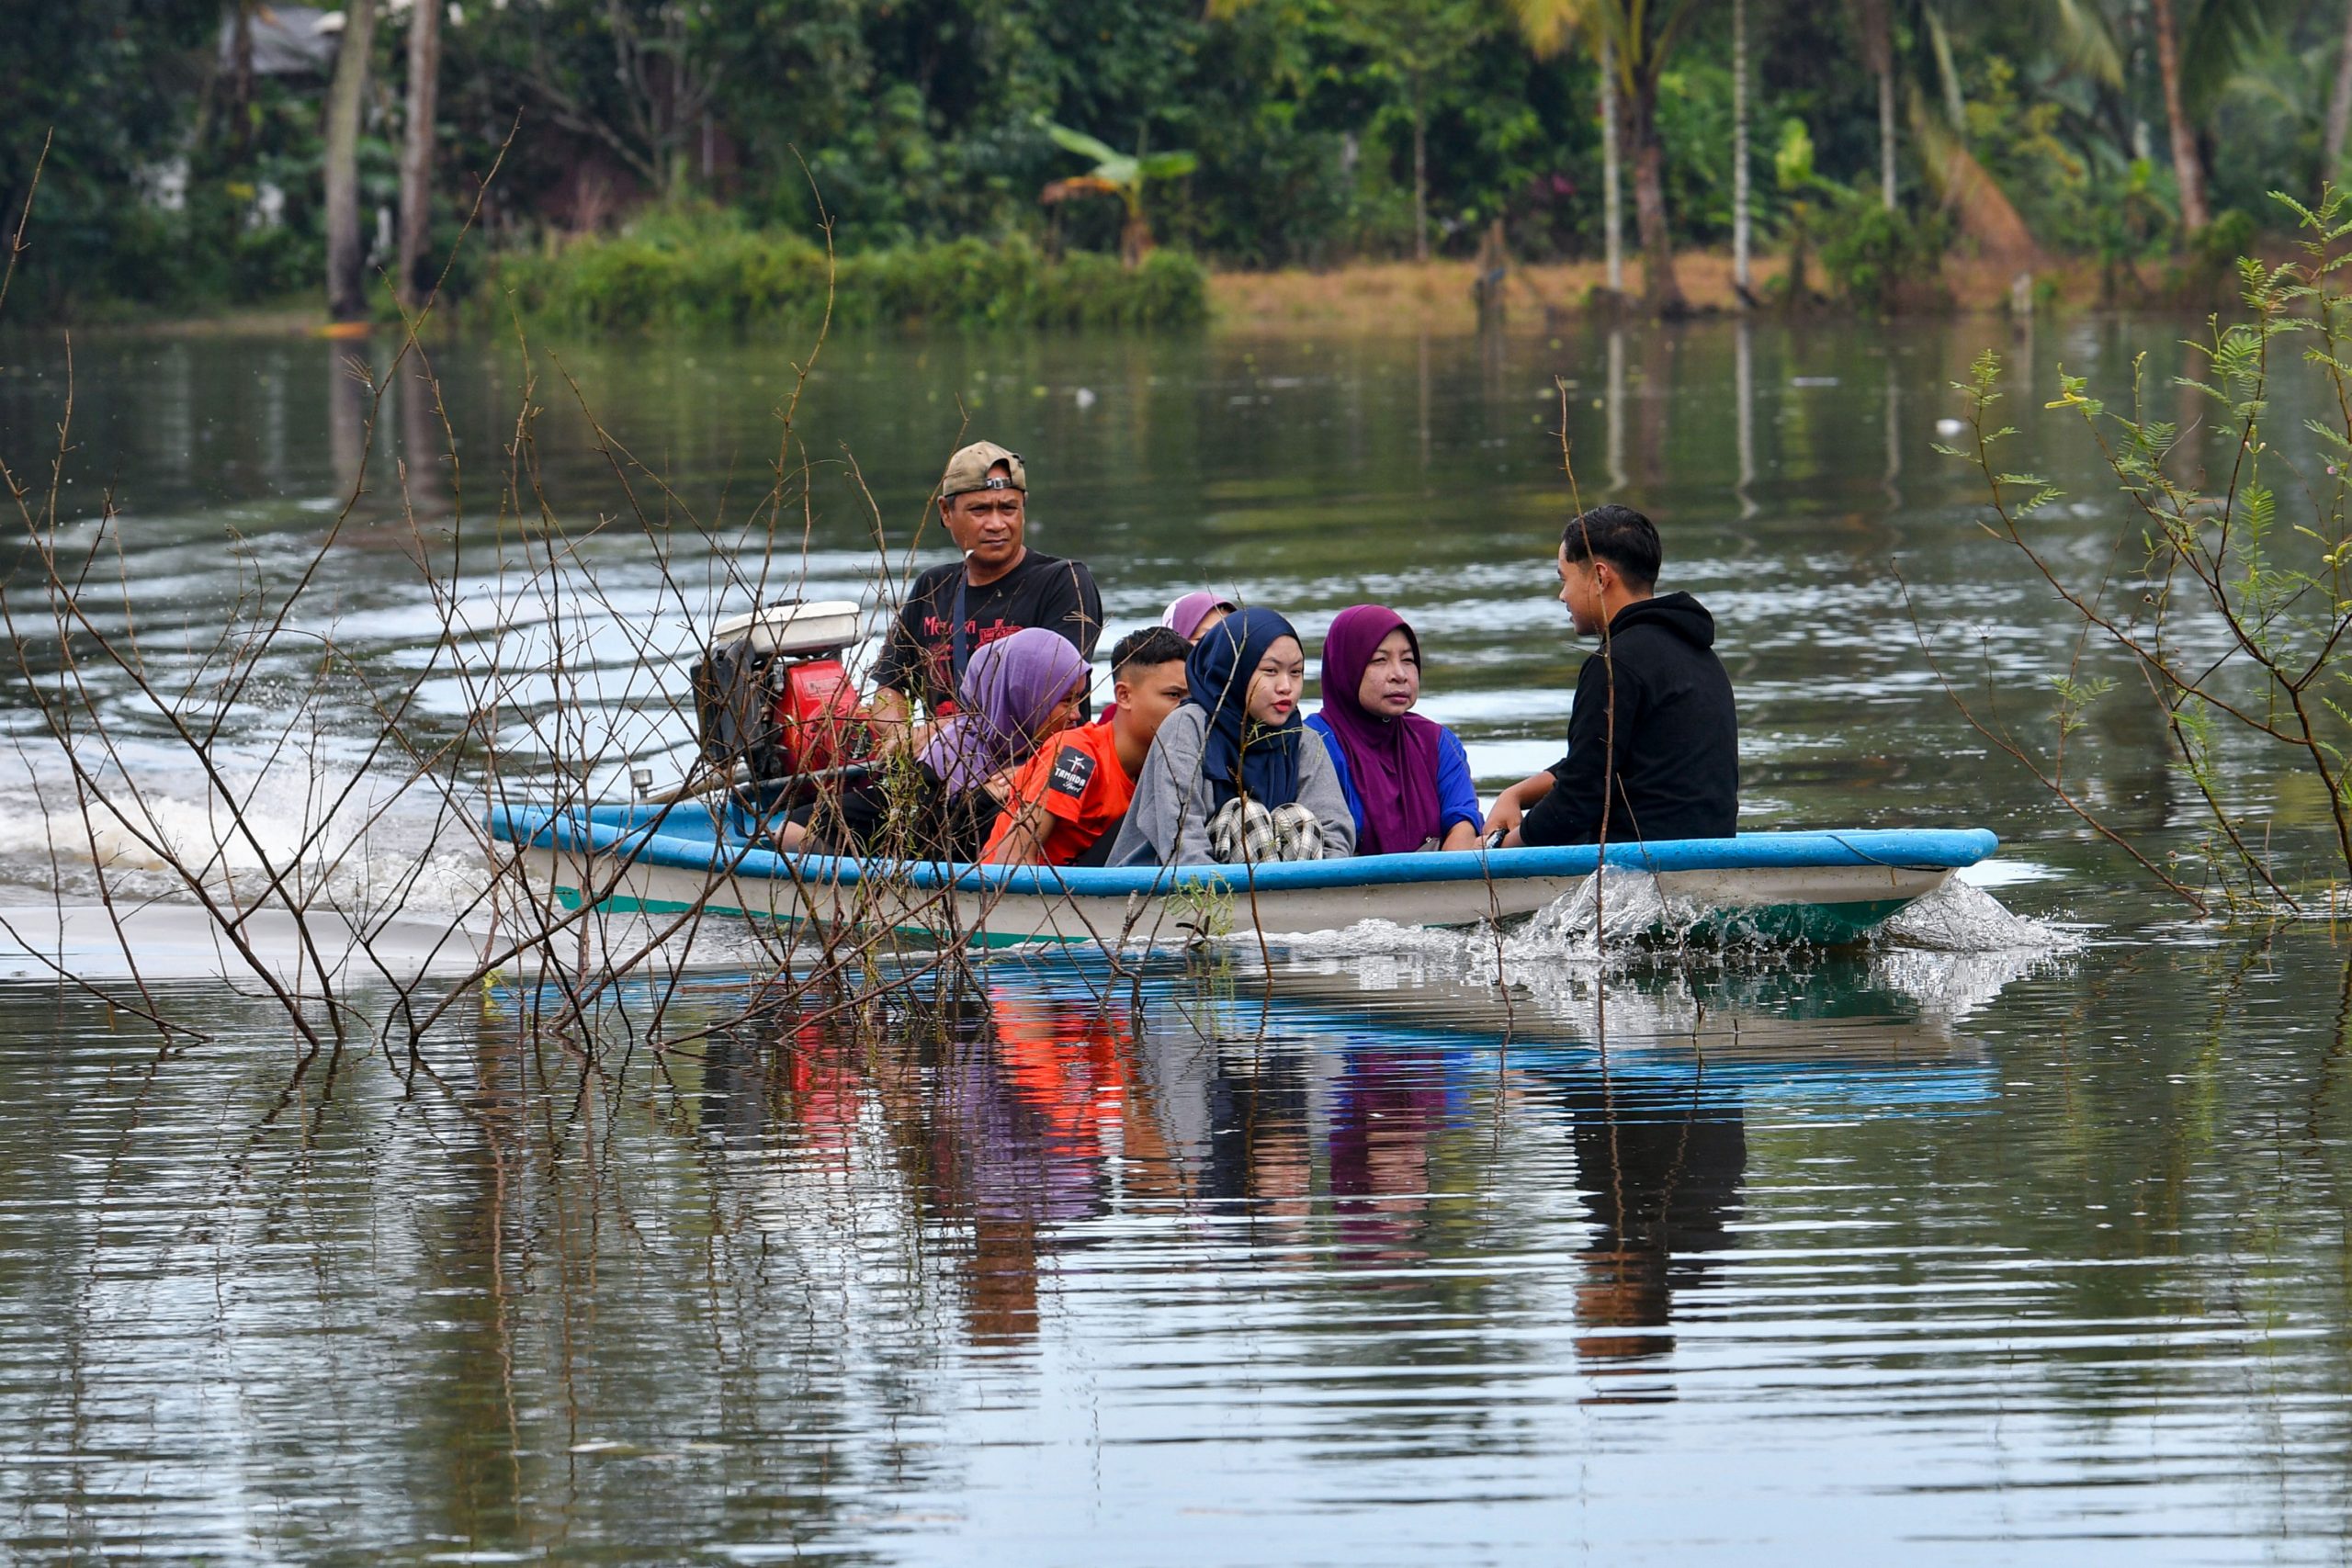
{"type": "Point", "coordinates": [1065, 1063]}
{"type": "Point", "coordinates": [1084, 789]}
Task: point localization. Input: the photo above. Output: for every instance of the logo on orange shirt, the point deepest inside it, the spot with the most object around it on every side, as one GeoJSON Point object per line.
{"type": "Point", "coordinates": [1072, 769]}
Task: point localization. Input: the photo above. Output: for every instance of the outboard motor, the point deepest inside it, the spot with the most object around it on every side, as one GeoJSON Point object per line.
{"type": "Point", "coordinates": [772, 692]}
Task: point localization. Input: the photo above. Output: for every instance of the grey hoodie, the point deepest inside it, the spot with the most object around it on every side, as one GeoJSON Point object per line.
{"type": "Point", "coordinates": [1167, 822]}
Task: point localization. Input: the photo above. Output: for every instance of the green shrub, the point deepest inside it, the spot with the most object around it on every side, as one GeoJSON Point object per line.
{"type": "Point", "coordinates": [702, 271]}
{"type": "Point", "coordinates": [1883, 261]}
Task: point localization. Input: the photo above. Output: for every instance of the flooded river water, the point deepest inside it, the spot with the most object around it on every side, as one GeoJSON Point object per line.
{"type": "Point", "coordinates": [2018, 1234]}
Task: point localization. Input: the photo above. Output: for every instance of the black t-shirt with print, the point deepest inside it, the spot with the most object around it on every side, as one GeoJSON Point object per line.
{"type": "Point", "coordinates": [1042, 590]}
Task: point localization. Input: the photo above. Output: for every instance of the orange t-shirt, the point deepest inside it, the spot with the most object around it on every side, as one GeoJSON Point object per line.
{"type": "Point", "coordinates": [1078, 777]}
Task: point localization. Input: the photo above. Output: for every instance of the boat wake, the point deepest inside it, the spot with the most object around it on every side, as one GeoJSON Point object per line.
{"type": "Point", "coordinates": [1623, 910]}
{"type": "Point", "coordinates": [330, 841]}
{"type": "Point", "coordinates": [1950, 952]}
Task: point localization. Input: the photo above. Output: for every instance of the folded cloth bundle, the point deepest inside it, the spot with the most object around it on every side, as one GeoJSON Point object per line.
{"type": "Point", "coordinates": [1243, 830]}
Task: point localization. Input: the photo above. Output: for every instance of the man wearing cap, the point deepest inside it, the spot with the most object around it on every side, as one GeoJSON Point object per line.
{"type": "Point", "coordinates": [999, 587]}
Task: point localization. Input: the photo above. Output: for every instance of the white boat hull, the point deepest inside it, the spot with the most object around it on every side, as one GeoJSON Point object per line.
{"type": "Point", "coordinates": [1853, 896]}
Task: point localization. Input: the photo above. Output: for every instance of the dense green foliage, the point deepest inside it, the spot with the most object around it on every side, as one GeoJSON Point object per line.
{"type": "Point", "coordinates": [915, 123]}
{"type": "Point", "coordinates": [709, 274]}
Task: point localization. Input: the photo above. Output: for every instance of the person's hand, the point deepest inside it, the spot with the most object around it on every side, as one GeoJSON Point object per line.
{"type": "Point", "coordinates": [1505, 814]}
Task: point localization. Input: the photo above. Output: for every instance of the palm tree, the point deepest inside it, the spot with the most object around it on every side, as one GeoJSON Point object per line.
{"type": "Point", "coordinates": [1633, 39]}
{"type": "Point", "coordinates": [1123, 175]}
{"type": "Point", "coordinates": [1924, 82]}
{"type": "Point", "coordinates": [2187, 163]}
{"type": "Point", "coordinates": [2199, 44]}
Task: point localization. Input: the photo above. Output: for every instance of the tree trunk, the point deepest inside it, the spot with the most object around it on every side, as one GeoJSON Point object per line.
{"type": "Point", "coordinates": [1886, 129]}
{"type": "Point", "coordinates": [2339, 104]}
{"type": "Point", "coordinates": [1661, 290]}
{"type": "Point", "coordinates": [1612, 201]}
{"type": "Point", "coordinates": [416, 151]}
{"type": "Point", "coordinates": [2188, 167]}
{"type": "Point", "coordinates": [241, 78]}
{"type": "Point", "coordinates": [1874, 31]}
{"type": "Point", "coordinates": [347, 246]}
{"type": "Point", "coordinates": [1739, 236]}
{"type": "Point", "coordinates": [1420, 182]}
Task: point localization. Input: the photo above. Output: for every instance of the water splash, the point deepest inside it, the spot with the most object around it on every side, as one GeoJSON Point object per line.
{"type": "Point", "coordinates": [1618, 907]}
{"type": "Point", "coordinates": [1950, 953]}
{"type": "Point", "coordinates": [1961, 917]}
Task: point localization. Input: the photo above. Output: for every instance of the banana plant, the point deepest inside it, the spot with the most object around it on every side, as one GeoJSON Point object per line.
{"type": "Point", "coordinates": [1123, 175]}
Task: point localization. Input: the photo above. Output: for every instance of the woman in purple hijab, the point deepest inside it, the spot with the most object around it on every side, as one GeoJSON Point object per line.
{"type": "Point", "coordinates": [1195, 613]}
{"type": "Point", "coordinates": [1406, 779]}
{"type": "Point", "coordinates": [1016, 691]}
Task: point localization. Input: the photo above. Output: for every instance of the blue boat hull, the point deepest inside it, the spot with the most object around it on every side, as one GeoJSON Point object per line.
{"type": "Point", "coordinates": [689, 858]}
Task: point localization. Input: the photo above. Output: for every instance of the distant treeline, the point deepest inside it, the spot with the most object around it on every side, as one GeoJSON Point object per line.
{"type": "Point", "coordinates": [196, 142]}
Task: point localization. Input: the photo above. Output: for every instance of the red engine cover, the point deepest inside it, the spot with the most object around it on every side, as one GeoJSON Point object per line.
{"type": "Point", "coordinates": [818, 724]}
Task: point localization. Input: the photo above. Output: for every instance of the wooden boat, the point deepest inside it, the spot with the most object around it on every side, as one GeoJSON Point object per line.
{"type": "Point", "coordinates": [693, 855]}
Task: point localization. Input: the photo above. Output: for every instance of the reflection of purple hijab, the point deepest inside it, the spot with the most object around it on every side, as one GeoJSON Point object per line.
{"type": "Point", "coordinates": [1185, 616]}
{"type": "Point", "coordinates": [1010, 688]}
{"type": "Point", "coordinates": [1392, 761]}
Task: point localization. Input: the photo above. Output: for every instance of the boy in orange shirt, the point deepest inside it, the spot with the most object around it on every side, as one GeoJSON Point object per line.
{"type": "Point", "coordinates": [1066, 805]}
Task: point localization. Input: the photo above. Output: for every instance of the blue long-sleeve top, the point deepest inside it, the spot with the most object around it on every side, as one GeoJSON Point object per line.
{"type": "Point", "coordinates": [1457, 796]}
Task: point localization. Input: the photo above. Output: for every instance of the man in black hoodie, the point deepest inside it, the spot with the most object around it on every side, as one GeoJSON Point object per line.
{"type": "Point", "coordinates": [1653, 712]}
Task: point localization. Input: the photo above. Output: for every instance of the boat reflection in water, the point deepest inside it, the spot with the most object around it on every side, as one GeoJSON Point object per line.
{"type": "Point", "coordinates": [1363, 1127]}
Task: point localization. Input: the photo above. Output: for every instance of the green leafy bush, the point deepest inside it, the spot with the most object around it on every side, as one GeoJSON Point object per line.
{"type": "Point", "coordinates": [698, 272]}
{"type": "Point", "coordinates": [1883, 261]}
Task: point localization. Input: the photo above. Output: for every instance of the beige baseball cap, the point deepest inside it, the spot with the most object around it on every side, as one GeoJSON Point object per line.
{"type": "Point", "coordinates": [968, 470]}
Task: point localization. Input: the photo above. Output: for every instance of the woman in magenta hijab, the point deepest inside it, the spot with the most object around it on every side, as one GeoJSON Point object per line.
{"type": "Point", "coordinates": [1406, 778]}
